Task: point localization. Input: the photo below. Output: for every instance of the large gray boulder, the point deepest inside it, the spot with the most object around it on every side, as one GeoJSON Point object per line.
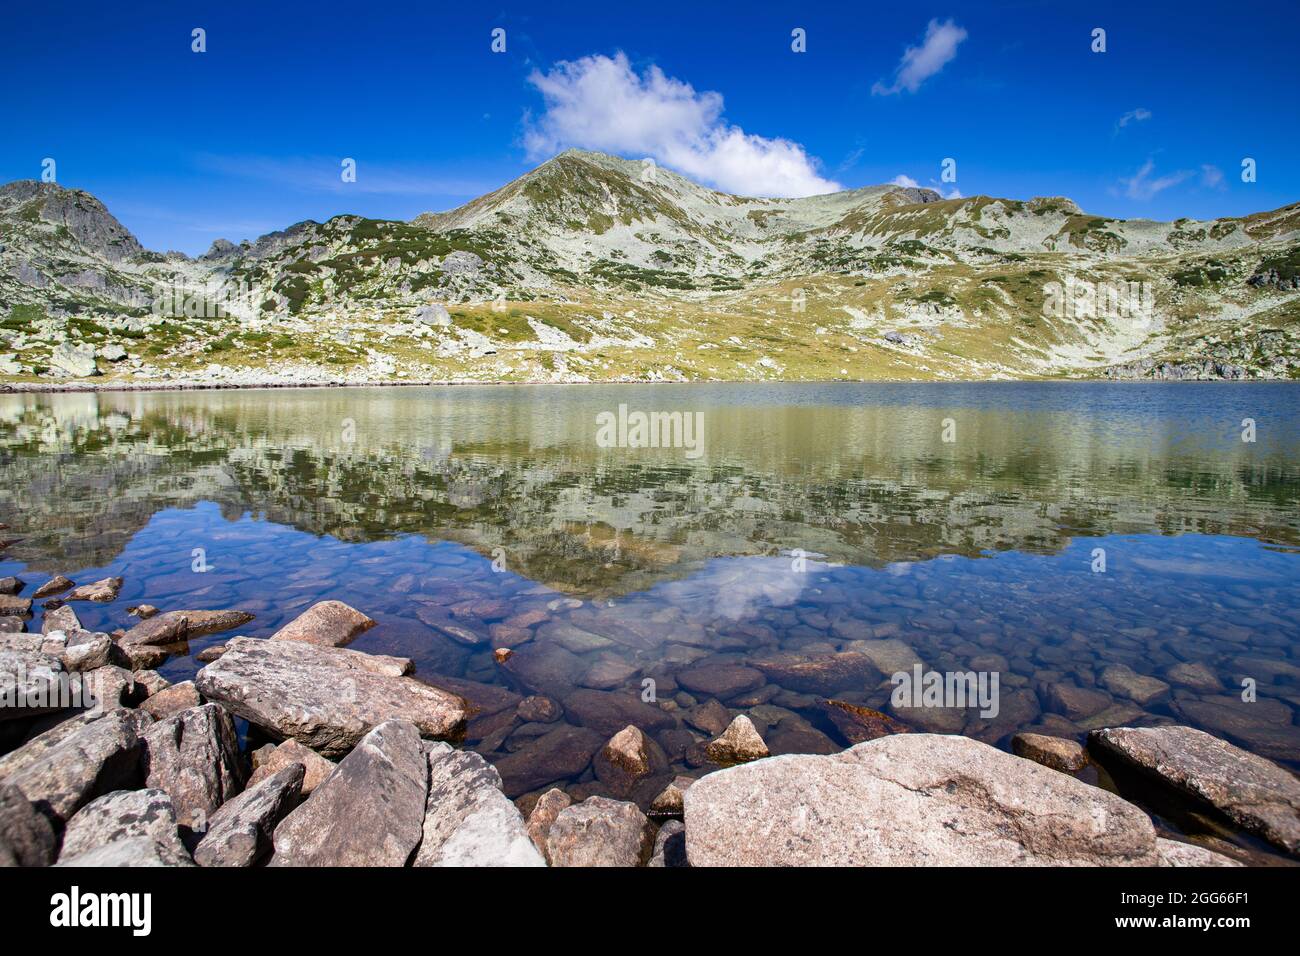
{"type": "Point", "coordinates": [240, 832]}
{"type": "Point", "coordinates": [124, 815]}
{"type": "Point", "coordinates": [78, 760]}
{"type": "Point", "coordinates": [909, 800]}
{"type": "Point", "coordinates": [73, 360]}
{"type": "Point", "coordinates": [194, 756]}
{"type": "Point", "coordinates": [468, 821]}
{"type": "Point", "coordinates": [370, 812]}
{"type": "Point", "coordinates": [32, 682]}
{"type": "Point", "coordinates": [1255, 793]}
{"type": "Point", "coordinates": [326, 698]}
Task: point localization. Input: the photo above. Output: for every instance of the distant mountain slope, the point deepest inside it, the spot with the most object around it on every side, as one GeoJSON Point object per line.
{"type": "Point", "coordinates": [593, 267]}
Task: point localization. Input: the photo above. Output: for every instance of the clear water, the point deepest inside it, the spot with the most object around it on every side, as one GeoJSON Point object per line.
{"type": "Point", "coordinates": [814, 517]}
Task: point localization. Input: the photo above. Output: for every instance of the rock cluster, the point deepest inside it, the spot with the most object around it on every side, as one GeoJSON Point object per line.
{"type": "Point", "coordinates": [367, 770]}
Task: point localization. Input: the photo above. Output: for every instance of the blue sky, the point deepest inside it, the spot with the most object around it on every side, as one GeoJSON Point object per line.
{"type": "Point", "coordinates": [249, 136]}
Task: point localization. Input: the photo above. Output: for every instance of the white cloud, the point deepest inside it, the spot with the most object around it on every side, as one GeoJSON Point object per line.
{"type": "Point", "coordinates": [1139, 115]}
{"type": "Point", "coordinates": [920, 63]}
{"type": "Point", "coordinates": [904, 180]}
{"type": "Point", "coordinates": [1211, 176]}
{"type": "Point", "coordinates": [1141, 185]}
{"type": "Point", "coordinates": [600, 102]}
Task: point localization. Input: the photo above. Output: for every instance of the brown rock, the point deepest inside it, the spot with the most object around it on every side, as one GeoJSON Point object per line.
{"type": "Point", "coordinates": [370, 812]}
{"type": "Point", "coordinates": [860, 724]}
{"type": "Point", "coordinates": [721, 680]}
{"type": "Point", "coordinates": [628, 758]}
{"type": "Point", "coordinates": [327, 624]}
{"type": "Point", "coordinates": [740, 743]}
{"type": "Point", "coordinates": [1055, 752]}
{"type": "Point", "coordinates": [600, 832]}
{"type": "Point", "coordinates": [558, 755]}
{"type": "Point", "coordinates": [316, 767]}
{"type": "Point", "coordinates": [172, 700]}
{"type": "Point", "coordinates": [540, 709]}
{"type": "Point", "coordinates": [545, 811]}
{"type": "Point", "coordinates": [55, 585]}
{"type": "Point", "coordinates": [101, 591]}
{"type": "Point", "coordinates": [194, 756]}
{"type": "Point", "coordinates": [821, 674]}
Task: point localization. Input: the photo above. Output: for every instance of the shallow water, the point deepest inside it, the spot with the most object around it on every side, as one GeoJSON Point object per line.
{"type": "Point", "coordinates": [814, 517]}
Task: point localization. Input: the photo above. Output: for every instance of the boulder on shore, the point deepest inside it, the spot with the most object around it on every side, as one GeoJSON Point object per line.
{"type": "Point", "coordinates": [239, 833]}
{"type": "Point", "coordinates": [1255, 793]}
{"type": "Point", "coordinates": [739, 743]}
{"type": "Point", "coordinates": [600, 832]}
{"type": "Point", "coordinates": [910, 800]}
{"type": "Point", "coordinates": [326, 698]}
{"type": "Point", "coordinates": [78, 760]}
{"type": "Point", "coordinates": [124, 815]}
{"type": "Point", "coordinates": [194, 756]}
{"type": "Point", "coordinates": [468, 821]}
{"type": "Point", "coordinates": [370, 812]}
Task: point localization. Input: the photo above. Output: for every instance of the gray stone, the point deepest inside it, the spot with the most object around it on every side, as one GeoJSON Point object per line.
{"type": "Point", "coordinates": [909, 800]}
{"type": "Point", "coordinates": [77, 760]}
{"type": "Point", "coordinates": [194, 756]}
{"type": "Point", "coordinates": [132, 852]}
{"type": "Point", "coordinates": [123, 815]}
{"type": "Point", "coordinates": [370, 812]}
{"type": "Point", "coordinates": [1174, 853]}
{"type": "Point", "coordinates": [670, 846]}
{"type": "Point", "coordinates": [326, 698]}
{"type": "Point", "coordinates": [73, 360]}
{"type": "Point", "coordinates": [468, 821]}
{"type": "Point", "coordinates": [26, 837]}
{"type": "Point", "coordinates": [600, 832]}
{"type": "Point", "coordinates": [1253, 792]}
{"type": "Point", "coordinates": [240, 833]}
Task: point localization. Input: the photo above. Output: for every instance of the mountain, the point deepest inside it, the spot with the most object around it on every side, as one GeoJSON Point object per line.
{"type": "Point", "coordinates": [592, 267]}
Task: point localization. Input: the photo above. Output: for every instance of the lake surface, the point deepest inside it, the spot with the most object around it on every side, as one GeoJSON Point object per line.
{"type": "Point", "coordinates": [1070, 538]}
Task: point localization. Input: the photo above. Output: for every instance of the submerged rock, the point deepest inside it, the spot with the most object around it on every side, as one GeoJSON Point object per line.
{"type": "Point", "coordinates": [859, 724]}
{"type": "Point", "coordinates": [1126, 682]}
{"type": "Point", "coordinates": [1055, 752]}
{"type": "Point", "coordinates": [610, 711]}
{"type": "Point", "coordinates": [1255, 793]}
{"type": "Point", "coordinates": [600, 832]}
{"type": "Point", "coordinates": [821, 674]}
{"type": "Point", "coordinates": [557, 755]}
{"type": "Point", "coordinates": [370, 812]}
{"type": "Point", "coordinates": [468, 821]}
{"type": "Point", "coordinates": [327, 624]}
{"type": "Point", "coordinates": [324, 697]}
{"type": "Point", "coordinates": [670, 846]}
{"type": "Point", "coordinates": [910, 800]}
{"type": "Point", "coordinates": [721, 680]}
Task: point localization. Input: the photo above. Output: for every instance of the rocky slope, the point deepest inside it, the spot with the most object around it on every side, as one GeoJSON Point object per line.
{"type": "Point", "coordinates": [597, 268]}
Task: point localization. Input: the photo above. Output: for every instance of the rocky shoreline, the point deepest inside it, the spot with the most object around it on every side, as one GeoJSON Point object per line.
{"type": "Point", "coordinates": [350, 759]}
